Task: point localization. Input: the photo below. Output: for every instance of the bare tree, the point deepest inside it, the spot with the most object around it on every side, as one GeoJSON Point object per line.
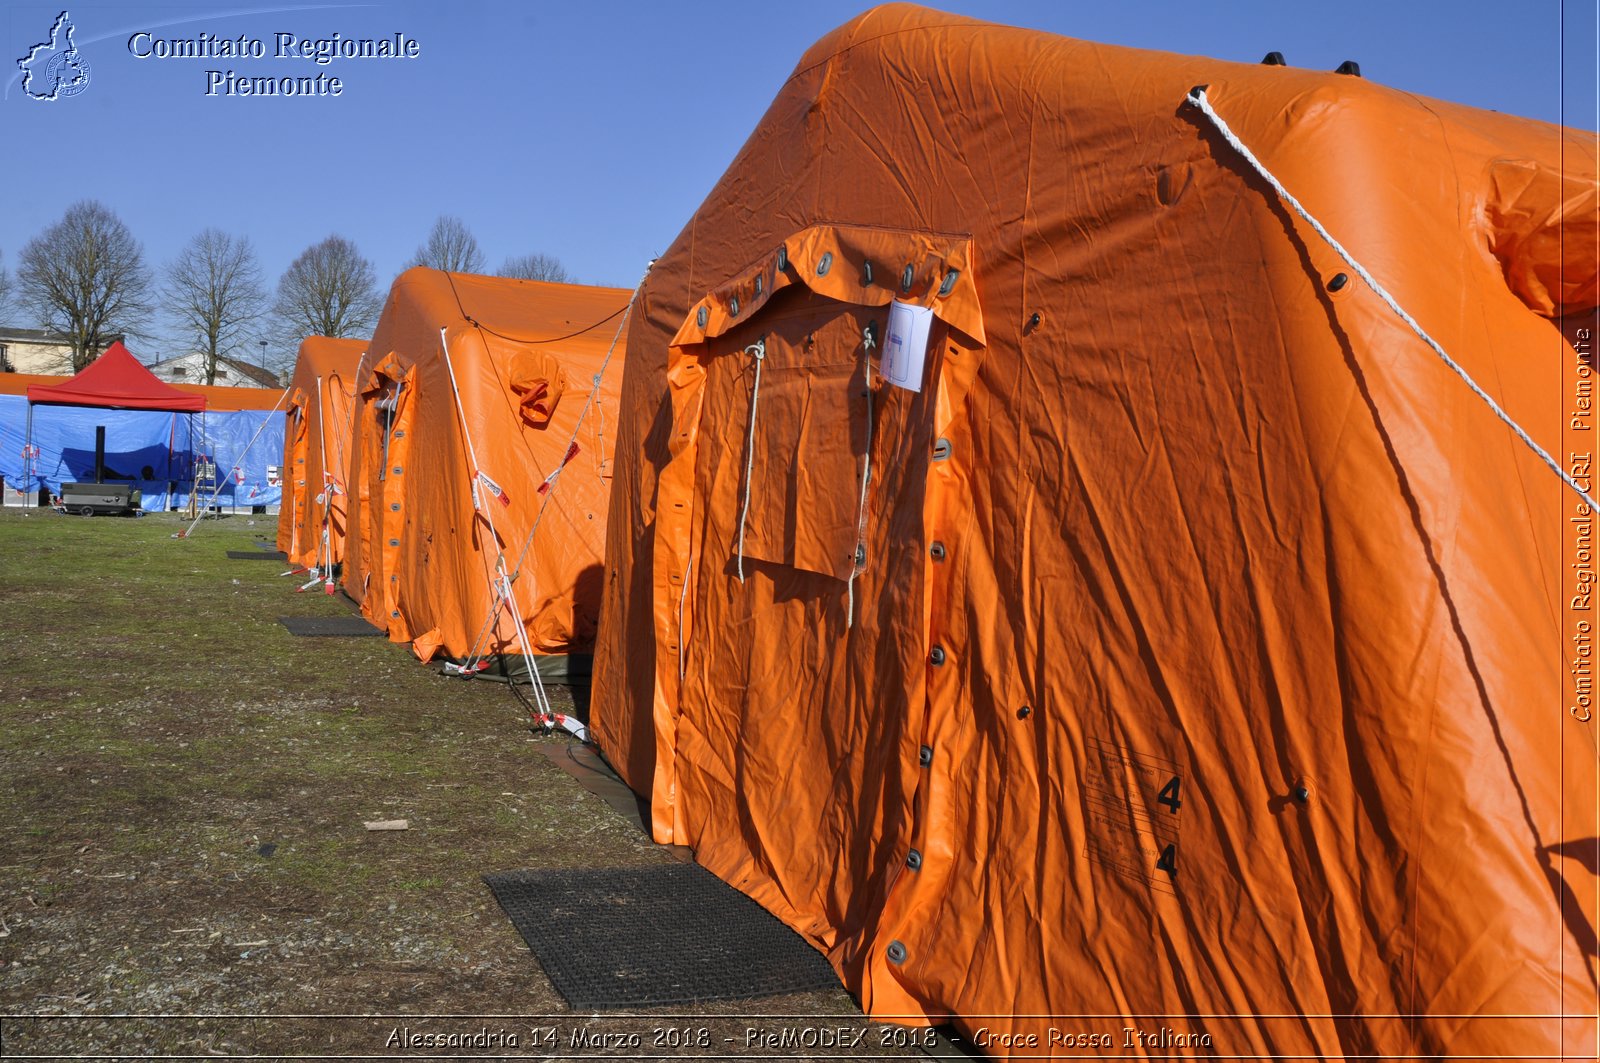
{"type": "Point", "coordinates": [85, 277]}
{"type": "Point", "coordinates": [535, 267]}
{"type": "Point", "coordinates": [5, 296]}
{"type": "Point", "coordinates": [330, 290]}
{"type": "Point", "coordinates": [450, 247]}
{"type": "Point", "coordinates": [214, 290]}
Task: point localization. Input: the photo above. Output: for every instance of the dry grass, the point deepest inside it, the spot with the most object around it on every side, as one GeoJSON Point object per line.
{"type": "Point", "coordinates": [182, 790]}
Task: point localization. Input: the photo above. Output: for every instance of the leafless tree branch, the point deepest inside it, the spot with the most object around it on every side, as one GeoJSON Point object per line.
{"type": "Point", "coordinates": [535, 267]}
{"type": "Point", "coordinates": [85, 277]}
{"type": "Point", "coordinates": [450, 247]}
{"type": "Point", "coordinates": [330, 290]}
{"type": "Point", "coordinates": [213, 289]}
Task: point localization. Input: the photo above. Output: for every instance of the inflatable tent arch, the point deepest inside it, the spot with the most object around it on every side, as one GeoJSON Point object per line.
{"type": "Point", "coordinates": [1197, 649]}
{"type": "Point", "coordinates": [317, 444]}
{"type": "Point", "coordinates": [531, 371]}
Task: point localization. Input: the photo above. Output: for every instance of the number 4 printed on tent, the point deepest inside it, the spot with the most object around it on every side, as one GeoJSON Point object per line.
{"type": "Point", "coordinates": [1170, 798]}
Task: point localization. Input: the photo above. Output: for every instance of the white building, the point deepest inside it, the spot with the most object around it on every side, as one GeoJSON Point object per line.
{"type": "Point", "coordinates": [28, 350]}
{"type": "Point", "coordinates": [191, 369]}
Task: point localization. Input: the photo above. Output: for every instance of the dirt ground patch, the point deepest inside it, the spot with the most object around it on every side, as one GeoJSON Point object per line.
{"type": "Point", "coordinates": [182, 791]}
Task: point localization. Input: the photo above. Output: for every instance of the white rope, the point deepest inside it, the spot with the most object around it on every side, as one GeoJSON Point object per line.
{"type": "Point", "coordinates": [350, 423]}
{"type": "Point", "coordinates": [335, 484]}
{"type": "Point", "coordinates": [683, 593]}
{"type": "Point", "coordinates": [758, 351]}
{"type": "Point", "coordinates": [325, 547]}
{"type": "Point", "coordinates": [866, 477]}
{"type": "Point", "coordinates": [466, 433]}
{"type": "Point", "coordinates": [504, 581]}
{"type": "Point", "coordinates": [1197, 96]}
{"type": "Point", "coordinates": [499, 582]}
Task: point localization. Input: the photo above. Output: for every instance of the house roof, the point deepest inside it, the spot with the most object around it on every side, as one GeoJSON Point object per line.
{"type": "Point", "coordinates": [263, 377]}
{"type": "Point", "coordinates": [34, 335]}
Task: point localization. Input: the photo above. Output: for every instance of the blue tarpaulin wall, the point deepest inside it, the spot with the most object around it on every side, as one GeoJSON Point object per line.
{"type": "Point", "coordinates": [138, 442]}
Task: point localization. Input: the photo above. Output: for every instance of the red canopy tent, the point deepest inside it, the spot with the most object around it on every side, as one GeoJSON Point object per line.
{"type": "Point", "coordinates": [116, 380]}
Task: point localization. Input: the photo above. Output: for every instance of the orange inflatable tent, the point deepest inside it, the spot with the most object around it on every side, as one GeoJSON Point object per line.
{"type": "Point", "coordinates": [1194, 664]}
{"type": "Point", "coordinates": [316, 452]}
{"type": "Point", "coordinates": [531, 371]}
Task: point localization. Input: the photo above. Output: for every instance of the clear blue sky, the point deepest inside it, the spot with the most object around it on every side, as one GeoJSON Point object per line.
{"type": "Point", "coordinates": [591, 129]}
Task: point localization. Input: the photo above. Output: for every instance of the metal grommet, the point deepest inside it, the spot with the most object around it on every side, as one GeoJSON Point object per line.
{"type": "Point", "coordinates": [398, 470]}
{"type": "Point", "coordinates": [896, 952]}
{"type": "Point", "coordinates": [925, 756]}
{"type": "Point", "coordinates": [1339, 281]}
{"type": "Point", "coordinates": [783, 258]}
{"type": "Point", "coordinates": [394, 613]}
{"type": "Point", "coordinates": [394, 507]}
{"type": "Point", "coordinates": [936, 655]}
{"type": "Point", "coordinates": [1301, 793]}
{"type": "Point", "coordinates": [1033, 322]}
{"type": "Point", "coordinates": [941, 449]}
{"type": "Point", "coordinates": [949, 284]}
{"type": "Point", "coordinates": [936, 551]}
{"type": "Point", "coordinates": [1024, 712]}
{"type": "Point", "coordinates": [394, 542]}
{"type": "Point", "coordinates": [824, 263]}
{"type": "Point", "coordinates": [866, 274]}
{"type": "Point", "coordinates": [861, 554]}
{"type": "Point", "coordinates": [733, 306]}
{"type": "Point", "coordinates": [758, 285]}
{"type": "Point", "coordinates": [914, 860]}
{"type": "Point", "coordinates": [907, 277]}
{"type": "Point", "coordinates": [700, 317]}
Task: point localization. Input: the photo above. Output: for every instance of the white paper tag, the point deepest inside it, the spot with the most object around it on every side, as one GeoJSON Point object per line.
{"type": "Point", "coordinates": [905, 350]}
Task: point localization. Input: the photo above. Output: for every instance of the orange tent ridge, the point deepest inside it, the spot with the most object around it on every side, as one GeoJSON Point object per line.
{"type": "Point", "coordinates": [483, 445]}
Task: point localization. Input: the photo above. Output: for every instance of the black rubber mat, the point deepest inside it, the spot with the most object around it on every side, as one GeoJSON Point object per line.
{"type": "Point", "coordinates": [258, 555]}
{"type": "Point", "coordinates": [328, 626]}
{"type": "Point", "coordinates": [643, 937]}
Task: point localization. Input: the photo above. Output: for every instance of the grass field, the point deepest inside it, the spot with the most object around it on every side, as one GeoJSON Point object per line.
{"type": "Point", "coordinates": [182, 791]}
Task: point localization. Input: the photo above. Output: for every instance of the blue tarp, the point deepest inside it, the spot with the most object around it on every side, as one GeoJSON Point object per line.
{"type": "Point", "coordinates": [154, 450]}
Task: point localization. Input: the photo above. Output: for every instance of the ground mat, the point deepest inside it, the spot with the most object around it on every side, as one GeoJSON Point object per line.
{"type": "Point", "coordinates": [328, 626]}
{"type": "Point", "coordinates": [258, 555]}
{"type": "Point", "coordinates": [643, 937]}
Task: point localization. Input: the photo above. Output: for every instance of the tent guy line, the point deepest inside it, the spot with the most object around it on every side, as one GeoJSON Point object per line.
{"type": "Point", "coordinates": [1197, 96]}
{"type": "Point", "coordinates": [594, 392]}
{"type": "Point", "coordinates": [500, 582]}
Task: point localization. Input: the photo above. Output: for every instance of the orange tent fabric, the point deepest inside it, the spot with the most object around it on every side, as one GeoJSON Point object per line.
{"type": "Point", "coordinates": [316, 451]}
{"type": "Point", "coordinates": [1207, 669]}
{"type": "Point", "coordinates": [538, 367]}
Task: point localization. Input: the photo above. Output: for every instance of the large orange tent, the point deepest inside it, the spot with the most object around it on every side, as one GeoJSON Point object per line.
{"type": "Point", "coordinates": [482, 460]}
{"type": "Point", "coordinates": [1195, 664]}
{"type": "Point", "coordinates": [316, 452]}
